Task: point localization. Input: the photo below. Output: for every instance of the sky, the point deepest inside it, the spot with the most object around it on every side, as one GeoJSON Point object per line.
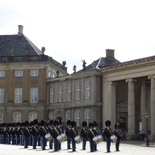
{"type": "Point", "coordinates": [76, 30]}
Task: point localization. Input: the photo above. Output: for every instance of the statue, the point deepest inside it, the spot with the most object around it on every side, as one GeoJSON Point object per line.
{"type": "Point", "coordinates": [43, 50]}
{"type": "Point", "coordinates": [84, 64]}
{"type": "Point", "coordinates": [74, 68]}
{"type": "Point", "coordinates": [64, 63]}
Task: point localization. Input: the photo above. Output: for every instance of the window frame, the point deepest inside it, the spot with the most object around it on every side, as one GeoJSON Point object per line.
{"type": "Point", "coordinates": [34, 95]}
{"type": "Point", "coordinates": [34, 73]}
{"type": "Point", "coordinates": [18, 73]}
{"type": "Point", "coordinates": [19, 96]}
{"type": "Point", "coordinates": [1, 95]}
{"type": "Point", "coordinates": [78, 91]}
{"type": "Point", "coordinates": [17, 116]}
{"type": "Point", "coordinates": [69, 92]}
{"type": "Point", "coordinates": [2, 73]}
{"type": "Point", "coordinates": [52, 94]}
{"type": "Point", "coordinates": [87, 89]}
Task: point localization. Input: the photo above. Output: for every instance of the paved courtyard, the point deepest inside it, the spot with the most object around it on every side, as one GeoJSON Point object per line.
{"type": "Point", "coordinates": [126, 148]}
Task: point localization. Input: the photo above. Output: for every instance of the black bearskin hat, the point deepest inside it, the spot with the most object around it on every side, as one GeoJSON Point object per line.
{"type": "Point", "coordinates": [56, 122]}
{"type": "Point", "coordinates": [107, 123]}
{"type": "Point", "coordinates": [84, 123]}
{"type": "Point", "coordinates": [95, 123]}
{"type": "Point", "coordinates": [35, 122]}
{"type": "Point", "coordinates": [73, 124]}
{"type": "Point", "coordinates": [68, 122]}
{"type": "Point", "coordinates": [91, 125]}
{"type": "Point", "coordinates": [51, 122]}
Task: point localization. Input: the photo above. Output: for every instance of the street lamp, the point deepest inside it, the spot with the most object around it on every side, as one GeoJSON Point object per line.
{"type": "Point", "coordinates": [147, 134]}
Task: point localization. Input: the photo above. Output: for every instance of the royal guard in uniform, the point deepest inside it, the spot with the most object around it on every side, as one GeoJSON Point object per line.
{"type": "Point", "coordinates": [50, 131]}
{"type": "Point", "coordinates": [97, 133]}
{"type": "Point", "coordinates": [68, 133]}
{"type": "Point", "coordinates": [108, 134]}
{"type": "Point", "coordinates": [42, 133]}
{"type": "Point", "coordinates": [74, 133]}
{"type": "Point", "coordinates": [91, 135]}
{"type": "Point", "coordinates": [117, 133]}
{"type": "Point", "coordinates": [35, 133]}
{"type": "Point", "coordinates": [55, 134]}
{"type": "Point", "coordinates": [84, 134]}
{"type": "Point", "coordinates": [26, 134]}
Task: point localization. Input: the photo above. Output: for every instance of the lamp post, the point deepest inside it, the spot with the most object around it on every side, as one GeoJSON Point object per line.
{"type": "Point", "coordinates": [147, 132]}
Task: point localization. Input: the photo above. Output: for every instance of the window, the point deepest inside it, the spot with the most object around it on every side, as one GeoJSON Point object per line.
{"type": "Point", "coordinates": [34, 73]}
{"type": "Point", "coordinates": [32, 116]}
{"type": "Point", "coordinates": [69, 92]}
{"type": "Point", "coordinates": [18, 73]}
{"type": "Point", "coordinates": [1, 118]}
{"type": "Point", "coordinates": [87, 115]}
{"type": "Point", "coordinates": [33, 95]}
{"type": "Point", "coordinates": [51, 115]}
{"type": "Point", "coordinates": [78, 91]}
{"type": "Point", "coordinates": [1, 95]}
{"type": "Point", "coordinates": [18, 95]}
{"type": "Point", "coordinates": [87, 90]}
{"type": "Point", "coordinates": [17, 117]}
{"type": "Point", "coordinates": [2, 73]}
{"type": "Point", "coordinates": [60, 94]}
{"type": "Point", "coordinates": [77, 117]}
{"type": "Point", "coordinates": [52, 94]}
{"type": "Point", "coordinates": [68, 115]}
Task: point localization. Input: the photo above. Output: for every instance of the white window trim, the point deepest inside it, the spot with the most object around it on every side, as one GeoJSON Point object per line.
{"type": "Point", "coordinates": [2, 73]}
{"type": "Point", "coordinates": [78, 91]}
{"type": "Point", "coordinates": [60, 99]}
{"type": "Point", "coordinates": [52, 94]}
{"type": "Point", "coordinates": [33, 95]}
{"type": "Point", "coordinates": [17, 116]}
{"type": "Point", "coordinates": [18, 95]}
{"type": "Point", "coordinates": [77, 117]}
{"type": "Point", "coordinates": [87, 115]}
{"type": "Point", "coordinates": [34, 73]}
{"type": "Point", "coordinates": [32, 116]}
{"type": "Point", "coordinates": [1, 117]}
{"type": "Point", "coordinates": [87, 89]}
{"type": "Point", "coordinates": [1, 95]}
{"type": "Point", "coordinates": [18, 73]}
{"type": "Point", "coordinates": [69, 92]}
{"type": "Point", "coordinates": [68, 115]}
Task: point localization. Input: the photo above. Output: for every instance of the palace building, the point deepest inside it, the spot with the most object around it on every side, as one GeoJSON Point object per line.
{"type": "Point", "coordinates": [35, 86]}
{"type": "Point", "coordinates": [24, 70]}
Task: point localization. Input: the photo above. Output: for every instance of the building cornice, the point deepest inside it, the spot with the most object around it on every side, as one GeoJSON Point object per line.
{"type": "Point", "coordinates": [130, 64]}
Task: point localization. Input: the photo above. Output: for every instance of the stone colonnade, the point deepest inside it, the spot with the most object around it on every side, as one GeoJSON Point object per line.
{"type": "Point", "coordinates": [109, 107]}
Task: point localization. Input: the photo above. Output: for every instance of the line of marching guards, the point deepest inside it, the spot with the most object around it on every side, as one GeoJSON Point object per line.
{"type": "Point", "coordinates": [55, 132]}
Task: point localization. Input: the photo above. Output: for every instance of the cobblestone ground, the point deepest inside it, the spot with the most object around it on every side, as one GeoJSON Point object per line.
{"type": "Point", "coordinates": [126, 148]}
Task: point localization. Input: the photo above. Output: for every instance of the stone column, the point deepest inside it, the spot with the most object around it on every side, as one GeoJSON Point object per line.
{"type": "Point", "coordinates": [109, 108]}
{"type": "Point", "coordinates": [152, 107]}
{"type": "Point", "coordinates": [131, 108]}
{"type": "Point", "coordinates": [143, 103]}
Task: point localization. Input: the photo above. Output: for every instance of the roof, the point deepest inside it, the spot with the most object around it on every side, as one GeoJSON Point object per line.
{"type": "Point", "coordinates": [17, 45]}
{"type": "Point", "coordinates": [101, 63]}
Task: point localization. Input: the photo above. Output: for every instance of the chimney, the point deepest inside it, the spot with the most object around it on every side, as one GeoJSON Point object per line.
{"type": "Point", "coordinates": [20, 30]}
{"type": "Point", "coordinates": [110, 53]}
